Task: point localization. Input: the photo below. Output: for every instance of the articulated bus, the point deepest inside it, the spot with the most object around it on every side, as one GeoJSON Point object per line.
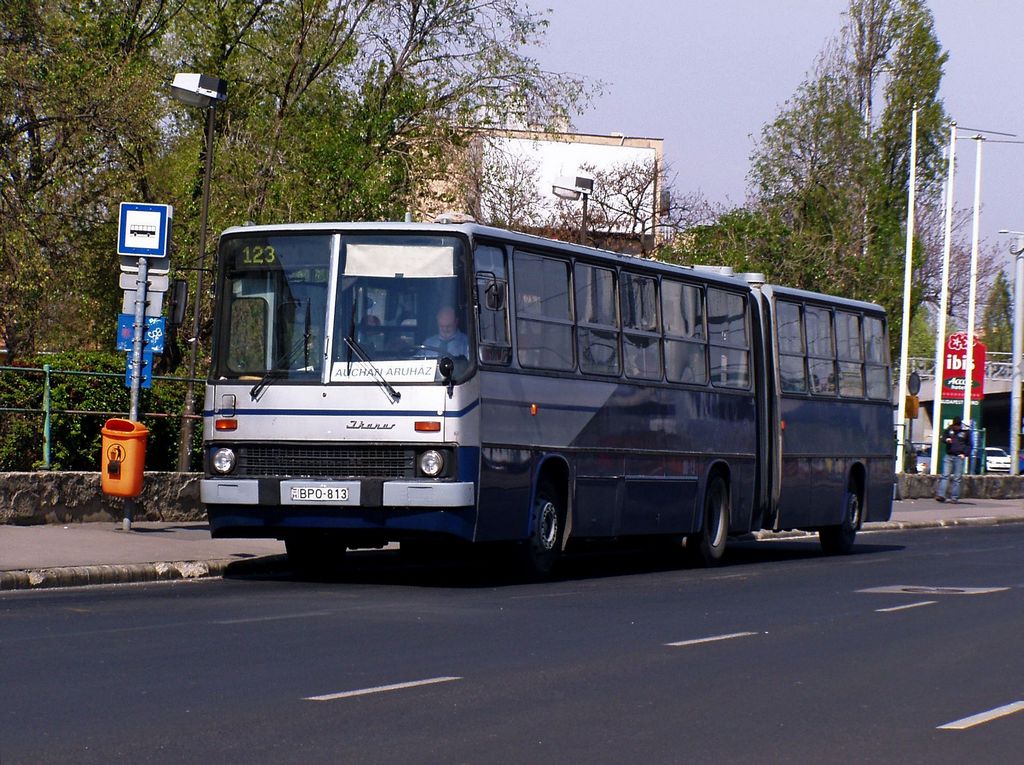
{"type": "Point", "coordinates": [426, 383]}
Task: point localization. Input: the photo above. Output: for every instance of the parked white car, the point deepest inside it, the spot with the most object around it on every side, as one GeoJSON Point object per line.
{"type": "Point", "coordinates": [996, 460]}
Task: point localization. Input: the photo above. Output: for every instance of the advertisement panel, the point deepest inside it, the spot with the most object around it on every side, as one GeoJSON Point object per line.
{"type": "Point", "coordinates": [954, 364]}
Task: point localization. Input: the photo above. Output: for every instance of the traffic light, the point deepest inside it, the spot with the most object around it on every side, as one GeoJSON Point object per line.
{"type": "Point", "coordinates": [912, 406]}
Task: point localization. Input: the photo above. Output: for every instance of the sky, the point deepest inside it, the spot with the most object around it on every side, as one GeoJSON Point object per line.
{"type": "Point", "coordinates": [707, 76]}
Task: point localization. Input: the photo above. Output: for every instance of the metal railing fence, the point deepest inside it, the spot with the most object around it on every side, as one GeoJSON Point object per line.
{"type": "Point", "coordinates": [43, 392]}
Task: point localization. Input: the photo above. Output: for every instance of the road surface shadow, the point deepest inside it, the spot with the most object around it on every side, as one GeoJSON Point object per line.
{"type": "Point", "coordinates": [484, 567]}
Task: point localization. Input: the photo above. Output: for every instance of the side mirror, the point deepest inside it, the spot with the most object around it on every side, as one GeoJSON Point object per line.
{"type": "Point", "coordinates": [447, 368]}
{"type": "Point", "coordinates": [494, 296]}
{"type": "Point", "coordinates": [179, 302]}
{"type": "Point", "coordinates": [493, 291]}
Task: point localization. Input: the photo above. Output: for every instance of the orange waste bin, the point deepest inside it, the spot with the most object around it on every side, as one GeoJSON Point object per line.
{"type": "Point", "coordinates": [124, 457]}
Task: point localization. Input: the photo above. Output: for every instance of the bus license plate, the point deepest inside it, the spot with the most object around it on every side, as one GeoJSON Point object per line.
{"type": "Point", "coordinates": [333, 494]}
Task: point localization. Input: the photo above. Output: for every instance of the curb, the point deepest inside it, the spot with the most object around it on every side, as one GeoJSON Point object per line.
{"type": "Point", "coordinates": [133, 573]}
{"type": "Point", "coordinates": [169, 571]}
{"type": "Point", "coordinates": [986, 520]}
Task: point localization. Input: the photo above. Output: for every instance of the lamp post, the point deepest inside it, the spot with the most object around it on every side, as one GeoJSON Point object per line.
{"type": "Point", "coordinates": [1018, 348]}
{"type": "Point", "coordinates": [205, 92]}
{"type": "Point", "coordinates": [574, 188]}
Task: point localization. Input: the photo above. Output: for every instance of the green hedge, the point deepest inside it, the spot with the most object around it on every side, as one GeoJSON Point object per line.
{"type": "Point", "coordinates": [75, 438]}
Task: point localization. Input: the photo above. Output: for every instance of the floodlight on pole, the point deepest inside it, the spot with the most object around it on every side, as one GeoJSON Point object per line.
{"type": "Point", "coordinates": [1018, 350]}
{"type": "Point", "coordinates": [205, 92]}
{"type": "Point", "coordinates": [574, 188]}
{"type": "Point", "coordinates": [940, 335]}
{"type": "Point", "coordinates": [972, 292]}
{"type": "Point", "coordinates": [901, 401]}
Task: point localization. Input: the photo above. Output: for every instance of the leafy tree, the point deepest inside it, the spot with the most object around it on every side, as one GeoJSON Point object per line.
{"type": "Point", "coordinates": [74, 117]}
{"type": "Point", "coordinates": [997, 321]}
{"type": "Point", "coordinates": [829, 176]}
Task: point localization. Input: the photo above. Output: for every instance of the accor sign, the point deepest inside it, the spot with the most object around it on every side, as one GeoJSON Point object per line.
{"type": "Point", "coordinates": [955, 363]}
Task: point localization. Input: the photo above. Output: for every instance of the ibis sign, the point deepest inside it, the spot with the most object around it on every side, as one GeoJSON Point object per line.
{"type": "Point", "coordinates": [954, 366]}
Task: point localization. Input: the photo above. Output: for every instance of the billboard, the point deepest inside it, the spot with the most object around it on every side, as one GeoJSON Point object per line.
{"type": "Point", "coordinates": [954, 365]}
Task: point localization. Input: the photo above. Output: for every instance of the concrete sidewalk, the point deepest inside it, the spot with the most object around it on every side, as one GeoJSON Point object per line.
{"type": "Point", "coordinates": [102, 553]}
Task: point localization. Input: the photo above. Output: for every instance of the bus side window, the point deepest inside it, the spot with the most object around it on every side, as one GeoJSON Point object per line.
{"type": "Point", "coordinates": [821, 364]}
{"type": "Point", "coordinates": [492, 305]}
{"type": "Point", "coordinates": [850, 355]}
{"type": "Point", "coordinates": [682, 309]}
{"type": "Point", "coordinates": [597, 333]}
{"type": "Point", "coordinates": [792, 364]}
{"type": "Point", "coordinates": [641, 340]}
{"type": "Point", "coordinates": [544, 322]}
{"type": "Point", "coordinates": [876, 369]}
{"type": "Point", "coordinates": [729, 339]}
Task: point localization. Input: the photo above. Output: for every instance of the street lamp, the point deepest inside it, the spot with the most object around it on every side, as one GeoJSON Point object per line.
{"type": "Point", "coordinates": [1018, 349]}
{"type": "Point", "coordinates": [205, 92]}
{"type": "Point", "coordinates": [574, 188]}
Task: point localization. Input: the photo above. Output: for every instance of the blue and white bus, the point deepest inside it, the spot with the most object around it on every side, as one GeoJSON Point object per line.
{"type": "Point", "coordinates": [382, 382]}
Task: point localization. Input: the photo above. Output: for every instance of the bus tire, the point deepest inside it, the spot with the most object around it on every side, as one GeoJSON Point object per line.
{"type": "Point", "coordinates": [539, 554]}
{"type": "Point", "coordinates": [315, 555]}
{"type": "Point", "coordinates": [707, 546]}
{"type": "Point", "coordinates": [838, 539]}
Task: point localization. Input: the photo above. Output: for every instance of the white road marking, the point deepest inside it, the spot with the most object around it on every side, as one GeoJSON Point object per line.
{"type": "Point", "coordinates": [983, 717]}
{"type": "Point", "coordinates": [253, 619]}
{"type": "Point", "coordinates": [380, 689]}
{"type": "Point", "coordinates": [913, 589]}
{"type": "Point", "coordinates": [713, 639]}
{"type": "Point", "coordinates": [904, 608]}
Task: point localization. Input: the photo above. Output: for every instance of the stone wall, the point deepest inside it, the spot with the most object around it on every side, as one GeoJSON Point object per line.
{"type": "Point", "coordinates": [920, 486]}
{"type": "Point", "coordinates": [72, 497]}
{"type": "Point", "coordinates": [75, 497]}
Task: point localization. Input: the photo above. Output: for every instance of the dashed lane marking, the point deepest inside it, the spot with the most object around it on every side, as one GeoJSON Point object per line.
{"type": "Point", "coordinates": [253, 619]}
{"type": "Point", "coordinates": [712, 639]}
{"type": "Point", "coordinates": [984, 717]}
{"type": "Point", "coordinates": [380, 689]}
{"type": "Point", "coordinates": [904, 608]}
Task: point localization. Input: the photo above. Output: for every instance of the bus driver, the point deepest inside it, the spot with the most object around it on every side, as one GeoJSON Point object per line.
{"type": "Point", "coordinates": [449, 340]}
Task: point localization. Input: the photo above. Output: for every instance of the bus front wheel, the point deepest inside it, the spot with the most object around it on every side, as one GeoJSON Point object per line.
{"type": "Point", "coordinates": [838, 539]}
{"type": "Point", "coordinates": [539, 553]}
{"type": "Point", "coordinates": [707, 546]}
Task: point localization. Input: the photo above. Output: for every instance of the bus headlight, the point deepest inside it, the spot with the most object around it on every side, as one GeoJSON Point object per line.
{"type": "Point", "coordinates": [431, 463]}
{"type": "Point", "coordinates": [223, 461]}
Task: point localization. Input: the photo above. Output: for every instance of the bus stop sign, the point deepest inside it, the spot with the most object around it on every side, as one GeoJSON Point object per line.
{"type": "Point", "coordinates": [143, 231]}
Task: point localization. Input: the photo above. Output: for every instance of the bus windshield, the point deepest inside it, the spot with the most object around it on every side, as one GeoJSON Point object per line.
{"type": "Point", "coordinates": [399, 298]}
{"type": "Point", "coordinates": [274, 306]}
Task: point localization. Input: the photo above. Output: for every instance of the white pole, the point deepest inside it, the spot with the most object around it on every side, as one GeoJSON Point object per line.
{"type": "Point", "coordinates": [908, 264]}
{"type": "Point", "coordinates": [940, 333]}
{"type": "Point", "coordinates": [973, 293]}
{"type": "Point", "coordinates": [1018, 349]}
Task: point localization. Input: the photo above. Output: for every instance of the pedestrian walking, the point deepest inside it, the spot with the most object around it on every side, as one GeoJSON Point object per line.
{"type": "Point", "coordinates": [957, 438]}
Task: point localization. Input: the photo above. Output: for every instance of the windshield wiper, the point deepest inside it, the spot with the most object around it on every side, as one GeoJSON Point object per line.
{"type": "Point", "coordinates": [277, 373]}
{"type": "Point", "coordinates": [353, 345]}
{"type": "Point", "coordinates": [271, 375]}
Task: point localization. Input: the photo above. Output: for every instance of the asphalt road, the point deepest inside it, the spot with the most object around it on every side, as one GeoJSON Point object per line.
{"type": "Point", "coordinates": [781, 655]}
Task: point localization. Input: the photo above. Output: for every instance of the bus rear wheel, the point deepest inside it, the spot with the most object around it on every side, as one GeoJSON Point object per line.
{"type": "Point", "coordinates": [539, 554]}
{"type": "Point", "coordinates": [838, 539]}
{"type": "Point", "coordinates": [707, 546]}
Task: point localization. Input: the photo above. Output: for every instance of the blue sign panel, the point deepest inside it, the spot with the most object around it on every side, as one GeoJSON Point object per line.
{"type": "Point", "coordinates": [147, 366]}
{"type": "Point", "coordinates": [142, 230]}
{"type": "Point", "coordinates": [156, 329]}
